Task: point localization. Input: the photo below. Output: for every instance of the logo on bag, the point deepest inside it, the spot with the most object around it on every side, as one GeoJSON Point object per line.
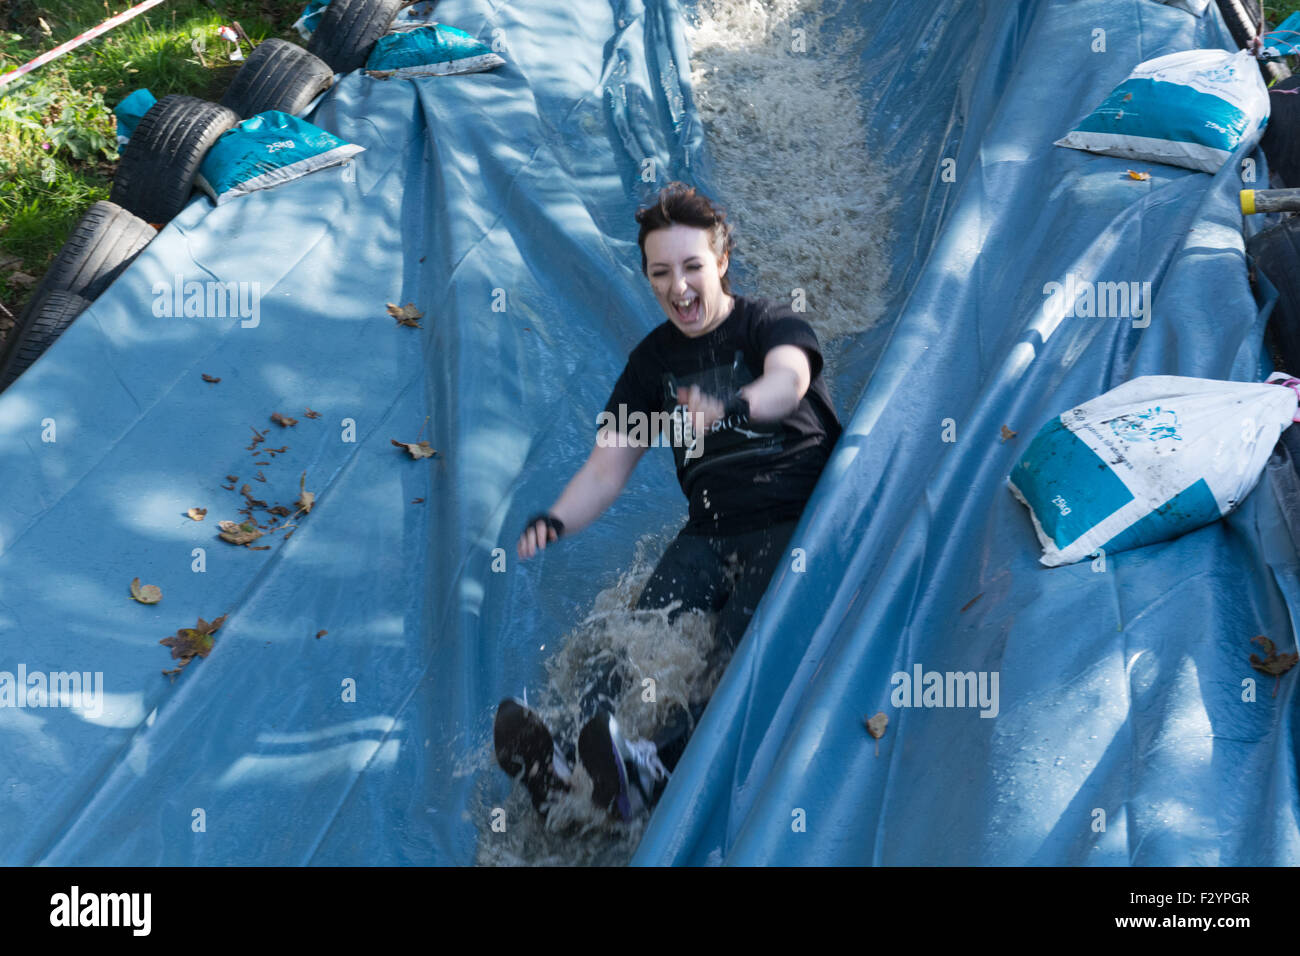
{"type": "Point", "coordinates": [1151, 425]}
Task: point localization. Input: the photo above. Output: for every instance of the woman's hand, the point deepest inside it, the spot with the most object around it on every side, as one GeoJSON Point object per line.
{"type": "Point", "coordinates": [702, 410]}
{"type": "Point", "coordinates": [540, 531]}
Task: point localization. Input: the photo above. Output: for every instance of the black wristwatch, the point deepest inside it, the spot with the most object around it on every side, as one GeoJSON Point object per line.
{"type": "Point", "coordinates": [552, 522]}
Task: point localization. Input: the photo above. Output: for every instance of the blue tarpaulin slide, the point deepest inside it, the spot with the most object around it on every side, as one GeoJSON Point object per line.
{"type": "Point", "coordinates": [1121, 733]}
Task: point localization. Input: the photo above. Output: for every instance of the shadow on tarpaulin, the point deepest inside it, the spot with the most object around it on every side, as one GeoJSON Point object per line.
{"type": "Point", "coordinates": [1119, 692]}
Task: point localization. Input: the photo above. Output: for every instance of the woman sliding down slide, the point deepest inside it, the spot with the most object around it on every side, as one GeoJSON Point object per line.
{"type": "Point", "coordinates": [738, 383]}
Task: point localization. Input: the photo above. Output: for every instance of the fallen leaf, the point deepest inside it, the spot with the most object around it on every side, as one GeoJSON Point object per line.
{"type": "Point", "coordinates": [1008, 434]}
{"type": "Point", "coordinates": [149, 594]}
{"type": "Point", "coordinates": [209, 378]}
{"type": "Point", "coordinates": [876, 727]}
{"type": "Point", "coordinates": [239, 533]}
{"type": "Point", "coordinates": [310, 414]}
{"type": "Point", "coordinates": [282, 420]}
{"type": "Point", "coordinates": [232, 478]}
{"type": "Point", "coordinates": [280, 511]}
{"type": "Point", "coordinates": [198, 514]}
{"type": "Point", "coordinates": [1134, 174]}
{"type": "Point", "coordinates": [417, 501]}
{"type": "Point", "coordinates": [970, 602]}
{"type": "Point", "coordinates": [191, 642]}
{"type": "Point", "coordinates": [320, 634]}
{"type": "Point", "coordinates": [406, 315]}
{"type": "Point", "coordinates": [229, 487]}
{"type": "Point", "coordinates": [1273, 663]}
{"type": "Point", "coordinates": [1127, 97]}
{"type": "Point", "coordinates": [260, 547]}
{"type": "Point", "coordinates": [306, 499]}
{"type": "Point", "coordinates": [416, 450]}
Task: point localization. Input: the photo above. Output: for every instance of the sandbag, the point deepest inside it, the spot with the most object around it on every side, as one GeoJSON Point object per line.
{"type": "Point", "coordinates": [1150, 460]}
{"type": "Point", "coordinates": [1191, 109]}
{"type": "Point", "coordinates": [130, 111]}
{"type": "Point", "coordinates": [438, 50]}
{"type": "Point", "coordinates": [266, 150]}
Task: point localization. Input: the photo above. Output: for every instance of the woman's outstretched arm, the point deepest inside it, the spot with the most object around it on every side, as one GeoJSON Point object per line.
{"type": "Point", "coordinates": [587, 495]}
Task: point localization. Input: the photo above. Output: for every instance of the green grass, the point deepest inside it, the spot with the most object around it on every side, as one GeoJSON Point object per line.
{"type": "Point", "coordinates": [57, 132]}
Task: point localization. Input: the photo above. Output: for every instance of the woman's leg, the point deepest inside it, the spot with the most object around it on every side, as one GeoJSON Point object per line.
{"type": "Point", "coordinates": [690, 571]}
{"type": "Point", "coordinates": [760, 553]}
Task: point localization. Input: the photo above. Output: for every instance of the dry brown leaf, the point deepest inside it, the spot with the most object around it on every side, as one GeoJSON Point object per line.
{"type": "Point", "coordinates": [406, 315]}
{"type": "Point", "coordinates": [209, 378]}
{"type": "Point", "coordinates": [1273, 663]}
{"type": "Point", "coordinates": [283, 420]}
{"type": "Point", "coordinates": [310, 414]}
{"type": "Point", "coordinates": [320, 634]}
{"type": "Point", "coordinates": [149, 594]}
{"type": "Point", "coordinates": [306, 499]}
{"type": "Point", "coordinates": [417, 501]}
{"type": "Point", "coordinates": [416, 450]}
{"type": "Point", "coordinates": [191, 642]}
{"type": "Point", "coordinates": [970, 602]}
{"type": "Point", "coordinates": [876, 727]}
{"type": "Point", "coordinates": [197, 514]}
{"type": "Point", "coordinates": [1008, 434]}
{"type": "Point", "coordinates": [1134, 174]}
{"type": "Point", "coordinates": [239, 533]}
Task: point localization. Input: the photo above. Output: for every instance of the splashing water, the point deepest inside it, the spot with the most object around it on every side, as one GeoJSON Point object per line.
{"type": "Point", "coordinates": [664, 665]}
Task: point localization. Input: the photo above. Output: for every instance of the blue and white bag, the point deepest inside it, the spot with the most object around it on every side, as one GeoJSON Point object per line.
{"type": "Point", "coordinates": [266, 150]}
{"type": "Point", "coordinates": [1190, 109]}
{"type": "Point", "coordinates": [438, 50]}
{"type": "Point", "coordinates": [1148, 461]}
{"type": "Point", "coordinates": [309, 19]}
{"type": "Point", "coordinates": [129, 112]}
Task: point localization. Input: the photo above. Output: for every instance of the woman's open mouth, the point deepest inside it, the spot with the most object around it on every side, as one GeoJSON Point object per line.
{"type": "Point", "coordinates": [687, 309]}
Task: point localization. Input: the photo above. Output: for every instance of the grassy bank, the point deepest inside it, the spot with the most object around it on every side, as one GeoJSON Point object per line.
{"type": "Point", "coordinates": [58, 148]}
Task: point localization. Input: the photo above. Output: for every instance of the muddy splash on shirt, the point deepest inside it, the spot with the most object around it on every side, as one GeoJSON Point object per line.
{"type": "Point", "coordinates": [779, 93]}
{"type": "Point", "coordinates": [664, 665]}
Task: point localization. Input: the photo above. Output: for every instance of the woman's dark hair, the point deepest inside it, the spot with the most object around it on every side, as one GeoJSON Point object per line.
{"type": "Point", "coordinates": [680, 204]}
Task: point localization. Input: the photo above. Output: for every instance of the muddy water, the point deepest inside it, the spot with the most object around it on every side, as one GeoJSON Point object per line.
{"type": "Point", "coordinates": [778, 91]}
{"type": "Point", "coordinates": [664, 665]}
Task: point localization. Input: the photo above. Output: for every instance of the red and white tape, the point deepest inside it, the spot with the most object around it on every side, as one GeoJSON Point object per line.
{"type": "Point", "coordinates": [78, 40]}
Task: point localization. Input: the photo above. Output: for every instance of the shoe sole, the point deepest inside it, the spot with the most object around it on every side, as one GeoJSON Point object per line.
{"type": "Point", "coordinates": [600, 758]}
{"type": "Point", "coordinates": [525, 748]}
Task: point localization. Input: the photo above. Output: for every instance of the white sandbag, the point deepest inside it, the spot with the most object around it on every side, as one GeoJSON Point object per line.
{"type": "Point", "coordinates": [1148, 461]}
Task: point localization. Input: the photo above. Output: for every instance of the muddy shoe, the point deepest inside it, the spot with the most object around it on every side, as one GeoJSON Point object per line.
{"type": "Point", "coordinates": [599, 754]}
{"type": "Point", "coordinates": [524, 747]}
{"type": "Point", "coordinates": [626, 775]}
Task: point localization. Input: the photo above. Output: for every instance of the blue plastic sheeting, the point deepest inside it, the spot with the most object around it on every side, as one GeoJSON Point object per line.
{"type": "Point", "coordinates": [1121, 734]}
{"type": "Point", "coordinates": [1118, 690]}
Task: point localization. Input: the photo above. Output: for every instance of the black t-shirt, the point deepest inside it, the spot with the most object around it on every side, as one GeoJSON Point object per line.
{"type": "Point", "coordinates": [742, 475]}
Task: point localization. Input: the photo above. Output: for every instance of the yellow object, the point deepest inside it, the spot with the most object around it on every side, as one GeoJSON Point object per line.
{"type": "Point", "coordinates": [1248, 201]}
